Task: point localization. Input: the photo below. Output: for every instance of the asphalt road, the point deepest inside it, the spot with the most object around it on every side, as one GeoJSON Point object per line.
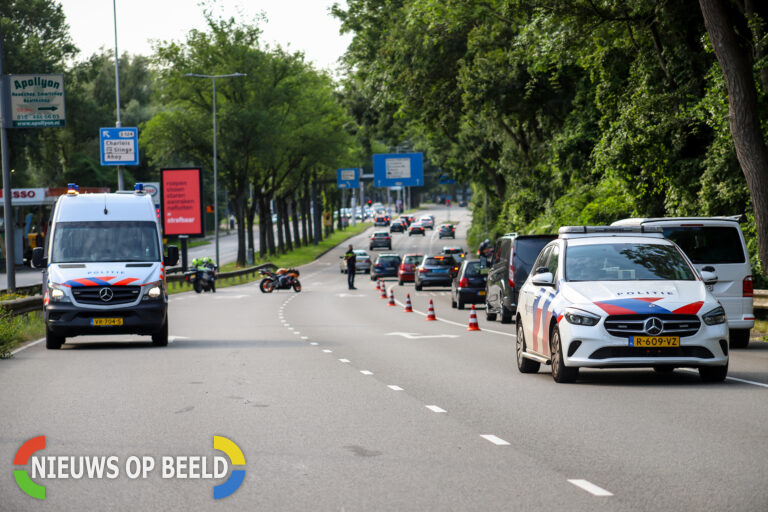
{"type": "Point", "coordinates": [340, 402]}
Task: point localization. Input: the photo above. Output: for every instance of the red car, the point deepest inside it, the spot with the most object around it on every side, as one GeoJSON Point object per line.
{"type": "Point", "coordinates": [407, 269]}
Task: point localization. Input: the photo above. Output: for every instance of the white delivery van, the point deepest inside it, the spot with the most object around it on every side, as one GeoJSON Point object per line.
{"type": "Point", "coordinates": [715, 244]}
{"type": "Point", "coordinates": [104, 271]}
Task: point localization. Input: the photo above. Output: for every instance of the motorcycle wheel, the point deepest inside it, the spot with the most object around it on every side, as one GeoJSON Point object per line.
{"type": "Point", "coordinates": [198, 286]}
{"type": "Point", "coordinates": [296, 286]}
{"type": "Point", "coordinates": [266, 285]}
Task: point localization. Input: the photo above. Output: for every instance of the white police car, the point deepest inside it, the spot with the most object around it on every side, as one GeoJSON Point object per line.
{"type": "Point", "coordinates": [612, 297]}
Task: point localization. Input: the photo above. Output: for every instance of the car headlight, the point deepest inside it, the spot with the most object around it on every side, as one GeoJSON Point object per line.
{"type": "Point", "coordinates": [715, 317]}
{"type": "Point", "coordinates": [581, 318]}
{"type": "Point", "coordinates": [155, 291]}
{"type": "Point", "coordinates": [56, 293]}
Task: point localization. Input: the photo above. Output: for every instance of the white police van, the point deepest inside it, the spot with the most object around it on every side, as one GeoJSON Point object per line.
{"type": "Point", "coordinates": [715, 244]}
{"type": "Point", "coordinates": [618, 297]}
{"type": "Point", "coordinates": [104, 270]}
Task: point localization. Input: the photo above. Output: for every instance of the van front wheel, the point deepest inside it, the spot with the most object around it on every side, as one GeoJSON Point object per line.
{"type": "Point", "coordinates": [160, 338]}
{"type": "Point", "coordinates": [52, 341]}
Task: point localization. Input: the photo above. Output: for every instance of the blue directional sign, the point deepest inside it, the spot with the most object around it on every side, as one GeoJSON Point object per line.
{"type": "Point", "coordinates": [398, 170]}
{"type": "Point", "coordinates": [119, 146]}
{"type": "Point", "coordinates": [444, 179]}
{"type": "Point", "coordinates": [348, 178]}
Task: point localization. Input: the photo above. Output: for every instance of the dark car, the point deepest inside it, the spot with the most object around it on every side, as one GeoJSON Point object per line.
{"type": "Point", "coordinates": [381, 220]}
{"type": "Point", "coordinates": [447, 231]}
{"type": "Point", "coordinates": [380, 239]}
{"type": "Point", "coordinates": [468, 287]}
{"type": "Point", "coordinates": [435, 270]}
{"type": "Point", "coordinates": [397, 227]}
{"type": "Point", "coordinates": [513, 256]}
{"type": "Point", "coordinates": [456, 251]}
{"type": "Point", "coordinates": [416, 229]}
{"type": "Point", "coordinates": [408, 268]}
{"type": "Point", "coordinates": [387, 265]}
{"type": "Point", "coordinates": [408, 218]}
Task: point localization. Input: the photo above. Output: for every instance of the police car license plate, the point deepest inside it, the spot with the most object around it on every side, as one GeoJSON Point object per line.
{"type": "Point", "coordinates": [654, 341]}
{"type": "Point", "coordinates": [481, 292]}
{"type": "Point", "coordinates": [106, 322]}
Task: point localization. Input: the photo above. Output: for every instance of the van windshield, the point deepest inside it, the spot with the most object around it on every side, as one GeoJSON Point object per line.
{"type": "Point", "coordinates": [708, 244]}
{"type": "Point", "coordinates": [96, 242]}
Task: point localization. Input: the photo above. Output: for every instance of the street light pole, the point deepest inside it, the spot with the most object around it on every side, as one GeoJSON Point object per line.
{"type": "Point", "coordinates": [215, 154]}
{"type": "Point", "coordinates": [120, 181]}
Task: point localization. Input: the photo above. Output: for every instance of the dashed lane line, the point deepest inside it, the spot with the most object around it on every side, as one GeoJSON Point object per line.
{"type": "Point", "coordinates": [435, 408]}
{"type": "Point", "coordinates": [495, 440]}
{"type": "Point", "coordinates": [366, 372]}
{"type": "Point", "coordinates": [395, 388]}
{"type": "Point", "coordinates": [590, 487]}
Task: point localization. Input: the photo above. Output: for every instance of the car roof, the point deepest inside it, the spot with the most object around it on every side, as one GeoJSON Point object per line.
{"type": "Point", "coordinates": [360, 251]}
{"type": "Point", "coordinates": [388, 254]}
{"type": "Point", "coordinates": [677, 221]}
{"type": "Point", "coordinates": [419, 254]}
{"type": "Point", "coordinates": [381, 233]}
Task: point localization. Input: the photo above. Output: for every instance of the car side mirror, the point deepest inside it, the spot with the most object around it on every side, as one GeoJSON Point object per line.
{"type": "Point", "coordinates": [541, 270]}
{"type": "Point", "coordinates": [173, 256]}
{"type": "Point", "coordinates": [37, 258]}
{"type": "Point", "coordinates": [544, 278]}
{"type": "Point", "coordinates": [708, 277]}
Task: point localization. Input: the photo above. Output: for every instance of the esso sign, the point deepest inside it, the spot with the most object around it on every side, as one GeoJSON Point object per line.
{"type": "Point", "coordinates": [26, 196]}
{"type": "Point", "coordinates": [153, 190]}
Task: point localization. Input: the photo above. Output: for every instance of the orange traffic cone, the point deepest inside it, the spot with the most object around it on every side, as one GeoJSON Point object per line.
{"type": "Point", "coordinates": [378, 284]}
{"type": "Point", "coordinates": [391, 298]}
{"type": "Point", "coordinates": [408, 308]}
{"type": "Point", "coordinates": [473, 320]}
{"type": "Point", "coordinates": [431, 311]}
{"type": "Point", "coordinates": [383, 290]}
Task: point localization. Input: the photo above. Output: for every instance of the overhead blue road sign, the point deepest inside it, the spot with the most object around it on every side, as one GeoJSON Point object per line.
{"type": "Point", "coordinates": [348, 178]}
{"type": "Point", "coordinates": [398, 170]}
{"type": "Point", "coordinates": [119, 146]}
{"type": "Point", "coordinates": [444, 179]}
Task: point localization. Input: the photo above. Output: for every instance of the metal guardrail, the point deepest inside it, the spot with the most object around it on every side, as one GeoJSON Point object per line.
{"type": "Point", "coordinates": [29, 304]}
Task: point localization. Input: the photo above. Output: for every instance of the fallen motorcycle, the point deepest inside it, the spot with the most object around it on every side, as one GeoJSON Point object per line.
{"type": "Point", "coordinates": [282, 279]}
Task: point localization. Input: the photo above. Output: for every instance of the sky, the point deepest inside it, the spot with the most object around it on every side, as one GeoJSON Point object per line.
{"type": "Point", "coordinates": [300, 25]}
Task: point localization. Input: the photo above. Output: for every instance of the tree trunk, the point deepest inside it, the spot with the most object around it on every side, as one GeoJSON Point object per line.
{"type": "Point", "coordinates": [287, 225]}
{"type": "Point", "coordinates": [735, 61]}
{"type": "Point", "coordinates": [240, 214]}
{"type": "Point", "coordinates": [279, 211]}
{"type": "Point", "coordinates": [252, 209]}
{"type": "Point", "coordinates": [263, 248]}
{"type": "Point", "coordinates": [306, 222]}
{"type": "Point", "coordinates": [294, 209]}
{"type": "Point", "coordinates": [270, 228]}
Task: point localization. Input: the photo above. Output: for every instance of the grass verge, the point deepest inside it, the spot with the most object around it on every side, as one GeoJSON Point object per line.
{"type": "Point", "coordinates": [295, 258]}
{"type": "Point", "coordinates": [16, 329]}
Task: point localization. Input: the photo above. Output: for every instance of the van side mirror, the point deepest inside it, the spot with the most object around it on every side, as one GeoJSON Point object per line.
{"type": "Point", "coordinates": [708, 277]}
{"type": "Point", "coordinates": [37, 258]}
{"type": "Point", "coordinates": [544, 278]}
{"type": "Point", "coordinates": [173, 256]}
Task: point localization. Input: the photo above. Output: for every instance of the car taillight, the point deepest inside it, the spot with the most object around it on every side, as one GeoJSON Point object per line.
{"type": "Point", "coordinates": [367, 261]}
{"type": "Point", "coordinates": [464, 282]}
{"type": "Point", "coordinates": [747, 288]}
{"type": "Point", "coordinates": [511, 278]}
{"type": "Point", "coordinates": [423, 270]}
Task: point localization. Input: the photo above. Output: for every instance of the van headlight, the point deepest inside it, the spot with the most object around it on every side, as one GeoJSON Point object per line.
{"type": "Point", "coordinates": [715, 317]}
{"type": "Point", "coordinates": [578, 317]}
{"type": "Point", "coordinates": [57, 294]}
{"type": "Point", "coordinates": [155, 291]}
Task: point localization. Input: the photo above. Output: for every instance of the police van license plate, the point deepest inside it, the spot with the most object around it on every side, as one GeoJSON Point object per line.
{"type": "Point", "coordinates": [654, 341]}
{"type": "Point", "coordinates": [106, 322]}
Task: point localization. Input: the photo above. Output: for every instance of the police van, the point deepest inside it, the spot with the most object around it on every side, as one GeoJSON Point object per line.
{"type": "Point", "coordinates": [103, 268]}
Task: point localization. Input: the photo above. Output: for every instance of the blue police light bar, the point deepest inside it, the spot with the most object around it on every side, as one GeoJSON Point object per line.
{"type": "Point", "coordinates": [570, 230]}
{"type": "Point", "coordinates": [138, 188]}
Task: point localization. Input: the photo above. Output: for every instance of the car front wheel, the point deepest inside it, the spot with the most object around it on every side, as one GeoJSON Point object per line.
{"type": "Point", "coordinates": [713, 373]}
{"type": "Point", "coordinates": [560, 372]}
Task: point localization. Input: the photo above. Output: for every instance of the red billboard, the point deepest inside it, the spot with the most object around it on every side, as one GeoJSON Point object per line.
{"type": "Point", "coordinates": [181, 193]}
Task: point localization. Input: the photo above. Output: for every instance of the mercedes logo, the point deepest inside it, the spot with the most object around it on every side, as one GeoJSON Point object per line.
{"type": "Point", "coordinates": [106, 295]}
{"type": "Point", "coordinates": [653, 326]}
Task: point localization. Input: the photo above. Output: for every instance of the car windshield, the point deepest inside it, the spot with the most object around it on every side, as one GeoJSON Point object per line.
{"type": "Point", "coordinates": [708, 244]}
{"type": "Point", "coordinates": [381, 235]}
{"type": "Point", "coordinates": [102, 241]}
{"type": "Point", "coordinates": [388, 260]}
{"type": "Point", "coordinates": [472, 269]}
{"type": "Point", "coordinates": [413, 259]}
{"type": "Point", "coordinates": [626, 262]}
{"type": "Point", "coordinates": [360, 254]}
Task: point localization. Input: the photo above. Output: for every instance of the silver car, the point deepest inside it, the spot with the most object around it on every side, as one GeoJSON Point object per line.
{"type": "Point", "coordinates": [362, 262]}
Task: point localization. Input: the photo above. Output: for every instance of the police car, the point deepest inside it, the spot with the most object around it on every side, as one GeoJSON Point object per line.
{"type": "Point", "coordinates": [613, 297]}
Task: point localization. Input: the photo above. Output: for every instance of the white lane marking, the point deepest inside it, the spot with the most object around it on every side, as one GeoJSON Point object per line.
{"type": "Point", "coordinates": [304, 338]}
{"type": "Point", "coordinates": [456, 323]}
{"type": "Point", "coordinates": [435, 408]}
{"type": "Point", "coordinates": [366, 372]}
{"type": "Point", "coordinates": [327, 351]}
{"type": "Point", "coordinates": [349, 295]}
{"type": "Point", "coordinates": [287, 325]}
{"type": "Point", "coordinates": [395, 388]}
{"type": "Point", "coordinates": [417, 336]}
{"type": "Point", "coordinates": [495, 440]}
{"type": "Point", "coordinates": [344, 360]}
{"type": "Point", "coordinates": [590, 487]}
{"type": "Point", "coordinates": [314, 343]}
{"type": "Point", "coordinates": [745, 381]}
{"type": "Point", "coordinates": [219, 297]}
{"type": "Point", "coordinates": [25, 347]}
